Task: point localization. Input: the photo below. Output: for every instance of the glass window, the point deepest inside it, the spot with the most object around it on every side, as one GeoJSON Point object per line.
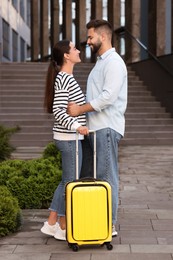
{"type": "Point", "coordinates": [15, 4]}
{"type": "Point", "coordinates": [28, 52]}
{"type": "Point", "coordinates": [6, 39]}
{"type": "Point", "coordinates": [22, 9]}
{"type": "Point", "coordinates": [15, 45]}
{"type": "Point", "coordinates": [22, 49]}
{"type": "Point", "coordinates": [28, 18]}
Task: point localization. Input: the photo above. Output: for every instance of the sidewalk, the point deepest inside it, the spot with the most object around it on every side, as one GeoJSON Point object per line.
{"type": "Point", "coordinates": [145, 223]}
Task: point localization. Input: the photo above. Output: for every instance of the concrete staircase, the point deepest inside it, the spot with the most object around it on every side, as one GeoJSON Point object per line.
{"type": "Point", "coordinates": [21, 103]}
{"type": "Point", "coordinates": [146, 121]}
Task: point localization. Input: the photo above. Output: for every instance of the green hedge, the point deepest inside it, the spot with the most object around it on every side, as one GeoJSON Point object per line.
{"type": "Point", "coordinates": [6, 148]}
{"type": "Point", "coordinates": [10, 213]}
{"type": "Point", "coordinates": [26, 184]}
{"type": "Point", "coordinates": [33, 182]}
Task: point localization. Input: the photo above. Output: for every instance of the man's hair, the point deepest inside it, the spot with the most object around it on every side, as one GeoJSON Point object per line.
{"type": "Point", "coordinates": [98, 24]}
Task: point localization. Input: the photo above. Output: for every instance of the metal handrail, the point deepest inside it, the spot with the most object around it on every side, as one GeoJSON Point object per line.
{"type": "Point", "coordinates": [122, 30]}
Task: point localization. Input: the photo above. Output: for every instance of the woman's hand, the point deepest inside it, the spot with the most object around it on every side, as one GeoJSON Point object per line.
{"type": "Point", "coordinates": [83, 130]}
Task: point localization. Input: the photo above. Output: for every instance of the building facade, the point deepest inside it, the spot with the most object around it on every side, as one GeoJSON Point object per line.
{"type": "Point", "coordinates": [30, 28]}
{"type": "Point", "coordinates": [15, 30]}
{"type": "Point", "coordinates": [148, 25]}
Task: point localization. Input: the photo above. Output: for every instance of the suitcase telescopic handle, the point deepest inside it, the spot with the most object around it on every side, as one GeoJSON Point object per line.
{"type": "Point", "coordinates": [77, 153]}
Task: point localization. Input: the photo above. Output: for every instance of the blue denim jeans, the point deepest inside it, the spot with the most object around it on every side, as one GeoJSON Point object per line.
{"type": "Point", "coordinates": [107, 141]}
{"type": "Point", "coordinates": [68, 154]}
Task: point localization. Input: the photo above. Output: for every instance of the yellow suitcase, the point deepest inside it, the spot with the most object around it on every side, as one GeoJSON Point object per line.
{"type": "Point", "coordinates": [88, 210]}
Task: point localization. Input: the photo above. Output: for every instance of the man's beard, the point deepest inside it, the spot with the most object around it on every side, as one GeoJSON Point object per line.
{"type": "Point", "coordinates": [96, 47]}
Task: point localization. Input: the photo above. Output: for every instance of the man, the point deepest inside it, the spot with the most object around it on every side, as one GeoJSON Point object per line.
{"type": "Point", "coordinates": [106, 104]}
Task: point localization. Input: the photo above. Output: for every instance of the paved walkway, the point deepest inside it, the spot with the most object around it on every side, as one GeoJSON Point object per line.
{"type": "Point", "coordinates": [145, 222]}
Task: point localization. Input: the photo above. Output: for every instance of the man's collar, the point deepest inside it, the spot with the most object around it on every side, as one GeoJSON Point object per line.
{"type": "Point", "coordinates": [105, 54]}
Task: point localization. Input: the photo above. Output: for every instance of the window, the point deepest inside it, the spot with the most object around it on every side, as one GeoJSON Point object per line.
{"type": "Point", "coordinates": [15, 45]}
{"type": "Point", "coordinates": [22, 9]}
{"type": "Point", "coordinates": [28, 52]}
{"type": "Point", "coordinates": [22, 49]}
{"type": "Point", "coordinates": [15, 4]}
{"type": "Point", "coordinates": [6, 39]}
{"type": "Point", "coordinates": [28, 18]}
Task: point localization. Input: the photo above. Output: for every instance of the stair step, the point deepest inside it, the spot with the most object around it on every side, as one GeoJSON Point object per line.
{"type": "Point", "coordinates": [143, 104]}
{"type": "Point", "coordinates": [149, 121]}
{"type": "Point", "coordinates": [148, 128]}
{"type": "Point", "coordinates": [146, 115]}
{"type": "Point", "coordinates": [147, 141]}
{"type": "Point", "coordinates": [23, 97]}
{"type": "Point", "coordinates": [31, 110]}
{"type": "Point", "coordinates": [39, 142]}
{"type": "Point", "coordinates": [24, 153]}
{"type": "Point", "coordinates": [154, 134]}
{"type": "Point", "coordinates": [28, 123]}
{"type": "Point", "coordinates": [16, 104]}
{"type": "Point", "coordinates": [145, 109]}
{"type": "Point", "coordinates": [27, 116]}
{"type": "Point", "coordinates": [35, 129]}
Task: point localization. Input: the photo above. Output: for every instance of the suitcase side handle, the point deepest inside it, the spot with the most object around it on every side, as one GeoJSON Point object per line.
{"type": "Point", "coordinates": [77, 154]}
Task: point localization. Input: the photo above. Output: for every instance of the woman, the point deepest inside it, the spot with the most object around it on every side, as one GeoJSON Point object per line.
{"type": "Point", "coordinates": [62, 88]}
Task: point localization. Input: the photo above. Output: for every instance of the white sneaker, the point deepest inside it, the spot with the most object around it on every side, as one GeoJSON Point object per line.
{"type": "Point", "coordinates": [114, 232]}
{"type": "Point", "coordinates": [60, 234]}
{"type": "Point", "coordinates": [49, 229]}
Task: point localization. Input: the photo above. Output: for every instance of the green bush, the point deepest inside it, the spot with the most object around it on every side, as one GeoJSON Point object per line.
{"type": "Point", "coordinates": [27, 184]}
{"type": "Point", "coordinates": [52, 151]}
{"type": "Point", "coordinates": [32, 182]}
{"type": "Point", "coordinates": [10, 213]}
{"type": "Point", "coordinates": [6, 148]}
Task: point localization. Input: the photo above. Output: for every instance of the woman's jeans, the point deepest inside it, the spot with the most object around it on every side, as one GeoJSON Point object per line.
{"type": "Point", "coordinates": [68, 154]}
{"type": "Point", "coordinates": [107, 161]}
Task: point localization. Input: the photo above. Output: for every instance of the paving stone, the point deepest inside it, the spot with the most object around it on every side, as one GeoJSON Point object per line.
{"type": "Point", "coordinates": [127, 179]}
{"type": "Point", "coordinates": [157, 205]}
{"type": "Point", "coordinates": [164, 214]}
{"type": "Point", "coordinates": [163, 224]}
{"type": "Point", "coordinates": [135, 188]}
{"type": "Point", "coordinates": [110, 256]}
{"type": "Point", "coordinates": [59, 247]}
{"type": "Point", "coordinates": [24, 241]}
{"type": "Point", "coordinates": [139, 240]}
{"type": "Point", "coordinates": [136, 227]}
{"type": "Point", "coordinates": [165, 249]}
{"type": "Point", "coordinates": [162, 241]}
{"type": "Point", "coordinates": [75, 256]}
{"type": "Point", "coordinates": [132, 207]}
{"type": "Point", "coordinates": [30, 256]}
{"type": "Point", "coordinates": [144, 196]}
{"type": "Point", "coordinates": [5, 249]}
{"type": "Point", "coordinates": [138, 237]}
{"type": "Point", "coordinates": [166, 236]}
{"type": "Point", "coordinates": [138, 215]}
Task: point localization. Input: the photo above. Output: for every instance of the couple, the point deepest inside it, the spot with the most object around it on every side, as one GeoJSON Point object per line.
{"type": "Point", "coordinates": [105, 107]}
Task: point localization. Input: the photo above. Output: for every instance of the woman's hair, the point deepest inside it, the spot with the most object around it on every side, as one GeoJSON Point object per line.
{"type": "Point", "coordinates": [55, 65]}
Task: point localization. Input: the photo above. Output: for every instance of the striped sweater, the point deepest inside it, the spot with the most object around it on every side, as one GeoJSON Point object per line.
{"type": "Point", "coordinates": [66, 89]}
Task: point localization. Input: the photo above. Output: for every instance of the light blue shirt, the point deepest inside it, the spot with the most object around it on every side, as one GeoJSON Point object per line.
{"type": "Point", "coordinates": [107, 93]}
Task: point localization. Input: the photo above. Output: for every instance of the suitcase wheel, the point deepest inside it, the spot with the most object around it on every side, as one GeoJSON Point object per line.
{"type": "Point", "coordinates": [109, 246]}
{"type": "Point", "coordinates": [74, 247]}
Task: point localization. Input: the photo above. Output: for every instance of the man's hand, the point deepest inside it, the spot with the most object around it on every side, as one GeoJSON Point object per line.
{"type": "Point", "coordinates": [83, 130]}
{"type": "Point", "coordinates": [73, 109]}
